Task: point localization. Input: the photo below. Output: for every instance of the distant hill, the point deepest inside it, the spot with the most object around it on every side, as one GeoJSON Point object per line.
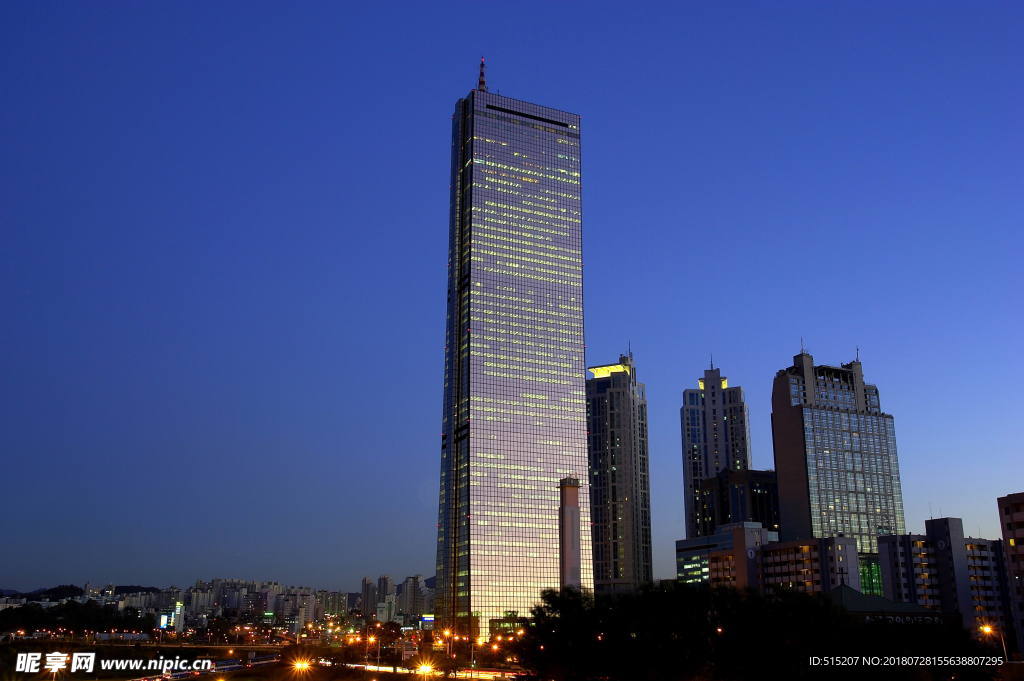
{"type": "Point", "coordinates": [54, 593]}
{"type": "Point", "coordinates": [134, 589]}
{"type": "Point", "coordinates": [59, 593]}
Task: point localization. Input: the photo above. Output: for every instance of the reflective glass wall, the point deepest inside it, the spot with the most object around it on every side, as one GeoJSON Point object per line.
{"type": "Point", "coordinates": [514, 419]}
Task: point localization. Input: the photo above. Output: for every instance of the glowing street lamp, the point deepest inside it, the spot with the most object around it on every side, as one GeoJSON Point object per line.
{"type": "Point", "coordinates": [988, 630]}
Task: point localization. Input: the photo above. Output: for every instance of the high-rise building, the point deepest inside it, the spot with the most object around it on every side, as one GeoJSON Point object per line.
{"type": "Point", "coordinates": [410, 602]}
{"type": "Point", "coordinates": [737, 496]}
{"type": "Point", "coordinates": [1011, 520]}
{"type": "Point", "coordinates": [333, 602]}
{"type": "Point", "coordinates": [716, 437]}
{"type": "Point", "coordinates": [368, 598]}
{"type": "Point", "coordinates": [514, 413]}
{"type": "Point", "coordinates": [944, 570]}
{"type": "Point", "coordinates": [620, 491]}
{"type": "Point", "coordinates": [835, 459]}
{"type": "Point", "coordinates": [385, 587]}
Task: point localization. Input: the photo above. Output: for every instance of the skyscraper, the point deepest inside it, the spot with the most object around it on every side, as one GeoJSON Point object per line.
{"type": "Point", "coordinates": [368, 598]}
{"type": "Point", "coordinates": [385, 587]}
{"type": "Point", "coordinates": [716, 437]}
{"type": "Point", "coordinates": [620, 491]}
{"type": "Point", "coordinates": [411, 600]}
{"type": "Point", "coordinates": [835, 458]}
{"type": "Point", "coordinates": [514, 416]}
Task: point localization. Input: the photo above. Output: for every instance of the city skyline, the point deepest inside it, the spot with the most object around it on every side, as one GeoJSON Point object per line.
{"type": "Point", "coordinates": [196, 323]}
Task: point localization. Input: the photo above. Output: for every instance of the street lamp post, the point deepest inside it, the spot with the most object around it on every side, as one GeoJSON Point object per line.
{"type": "Point", "coordinates": [988, 630]}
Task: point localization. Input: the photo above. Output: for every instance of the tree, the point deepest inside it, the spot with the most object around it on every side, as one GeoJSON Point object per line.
{"type": "Point", "coordinates": [679, 631]}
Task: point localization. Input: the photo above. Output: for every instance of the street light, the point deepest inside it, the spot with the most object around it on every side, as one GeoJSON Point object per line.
{"type": "Point", "coordinates": [988, 630]}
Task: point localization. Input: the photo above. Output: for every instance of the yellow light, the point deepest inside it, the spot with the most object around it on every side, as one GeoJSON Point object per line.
{"type": "Point", "coordinates": [424, 669]}
{"type": "Point", "coordinates": [494, 647]}
{"type": "Point", "coordinates": [447, 632]}
{"type": "Point", "coordinates": [986, 629]}
{"type": "Point", "coordinates": [301, 665]}
{"type": "Point", "coordinates": [608, 370]}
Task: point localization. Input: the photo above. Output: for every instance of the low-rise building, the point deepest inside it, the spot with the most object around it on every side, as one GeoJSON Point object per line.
{"type": "Point", "coordinates": [809, 565]}
{"type": "Point", "coordinates": [945, 571]}
{"type": "Point", "coordinates": [726, 558]}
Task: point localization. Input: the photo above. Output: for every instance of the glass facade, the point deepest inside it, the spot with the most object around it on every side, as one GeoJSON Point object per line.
{"type": "Point", "coordinates": [835, 454]}
{"type": "Point", "coordinates": [514, 419]}
{"type": "Point", "coordinates": [855, 483]}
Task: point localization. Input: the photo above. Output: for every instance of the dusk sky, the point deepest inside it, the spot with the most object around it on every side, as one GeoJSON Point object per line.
{"type": "Point", "coordinates": [225, 244]}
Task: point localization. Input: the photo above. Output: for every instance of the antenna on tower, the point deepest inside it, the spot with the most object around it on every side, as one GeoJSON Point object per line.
{"type": "Point", "coordinates": [858, 353]}
{"type": "Point", "coordinates": [482, 85]}
{"type": "Point", "coordinates": [803, 350]}
{"type": "Point", "coordinates": [712, 356]}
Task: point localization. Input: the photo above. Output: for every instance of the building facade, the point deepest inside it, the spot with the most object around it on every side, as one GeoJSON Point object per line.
{"type": "Point", "coordinates": [944, 570]}
{"type": "Point", "coordinates": [410, 601]}
{"type": "Point", "coordinates": [747, 555]}
{"type": "Point", "coordinates": [736, 497]}
{"type": "Point", "coordinates": [514, 410]}
{"type": "Point", "coordinates": [620, 492]}
{"type": "Point", "coordinates": [809, 565]}
{"type": "Point", "coordinates": [726, 558]}
{"type": "Point", "coordinates": [835, 458]}
{"type": "Point", "coordinates": [716, 437]}
{"type": "Point", "coordinates": [1011, 520]}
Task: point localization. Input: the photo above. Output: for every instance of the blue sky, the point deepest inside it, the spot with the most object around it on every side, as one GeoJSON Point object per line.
{"type": "Point", "coordinates": [225, 251]}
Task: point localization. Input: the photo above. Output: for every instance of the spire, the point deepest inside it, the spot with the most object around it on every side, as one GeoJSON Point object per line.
{"type": "Point", "coordinates": [803, 350]}
{"type": "Point", "coordinates": [482, 85]}
{"type": "Point", "coordinates": [712, 355]}
{"type": "Point", "coordinates": [858, 354]}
